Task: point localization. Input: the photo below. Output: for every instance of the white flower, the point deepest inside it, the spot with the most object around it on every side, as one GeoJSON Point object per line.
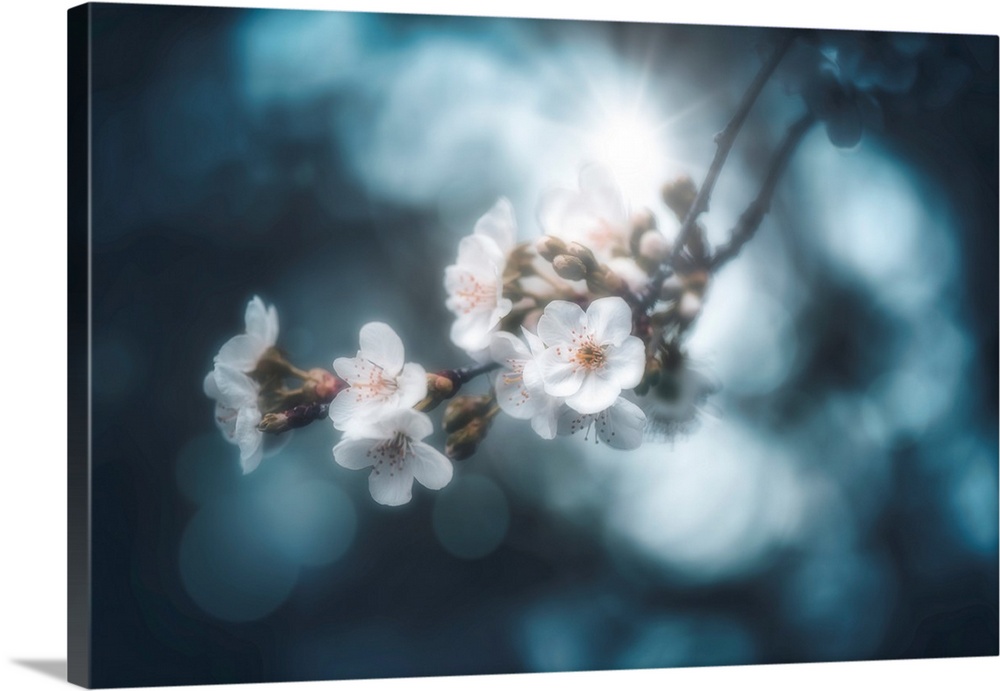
{"type": "Point", "coordinates": [626, 268]}
{"type": "Point", "coordinates": [235, 393]}
{"type": "Point", "coordinates": [518, 385]}
{"type": "Point", "coordinates": [596, 216]}
{"type": "Point", "coordinates": [236, 412]}
{"type": "Point", "coordinates": [242, 352]}
{"type": "Point", "coordinates": [590, 356]}
{"type": "Point", "coordinates": [379, 380]}
{"type": "Point", "coordinates": [673, 406]}
{"type": "Point", "coordinates": [475, 281]}
{"type": "Point", "coordinates": [620, 426]}
{"type": "Point", "coordinates": [391, 444]}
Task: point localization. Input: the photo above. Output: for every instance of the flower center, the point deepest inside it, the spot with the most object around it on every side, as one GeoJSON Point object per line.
{"type": "Point", "coordinates": [375, 386]}
{"type": "Point", "coordinates": [603, 236]}
{"type": "Point", "coordinates": [590, 356]}
{"type": "Point", "coordinates": [389, 454]}
{"type": "Point", "coordinates": [515, 373]}
{"type": "Point", "coordinates": [472, 293]}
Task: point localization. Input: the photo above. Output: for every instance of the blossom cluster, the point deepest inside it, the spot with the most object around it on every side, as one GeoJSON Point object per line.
{"type": "Point", "coordinates": [579, 331]}
{"type": "Point", "coordinates": [580, 322]}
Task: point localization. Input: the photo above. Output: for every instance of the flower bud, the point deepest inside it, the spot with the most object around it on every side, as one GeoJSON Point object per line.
{"type": "Point", "coordinates": [689, 305]}
{"type": "Point", "coordinates": [440, 386]}
{"type": "Point", "coordinates": [549, 247]}
{"type": "Point", "coordinates": [274, 423]}
{"type": "Point", "coordinates": [575, 249]}
{"type": "Point", "coordinates": [323, 385]}
{"type": "Point", "coordinates": [654, 246]}
{"type": "Point", "coordinates": [463, 410]}
{"type": "Point", "coordinates": [642, 220]}
{"type": "Point", "coordinates": [696, 281]}
{"type": "Point", "coordinates": [293, 418]}
{"type": "Point", "coordinates": [463, 443]}
{"type": "Point", "coordinates": [604, 281]}
{"type": "Point", "coordinates": [671, 288]}
{"type": "Point", "coordinates": [569, 267]}
{"type": "Point", "coordinates": [679, 196]}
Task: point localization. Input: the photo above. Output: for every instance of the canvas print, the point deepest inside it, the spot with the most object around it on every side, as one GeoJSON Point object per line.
{"type": "Point", "coordinates": [409, 345]}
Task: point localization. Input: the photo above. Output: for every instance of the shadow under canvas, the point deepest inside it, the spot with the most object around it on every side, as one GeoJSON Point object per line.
{"type": "Point", "coordinates": [50, 668]}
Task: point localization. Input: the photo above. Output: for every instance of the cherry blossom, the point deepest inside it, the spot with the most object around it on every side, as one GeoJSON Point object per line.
{"type": "Point", "coordinates": [620, 425]}
{"type": "Point", "coordinates": [392, 446]}
{"type": "Point", "coordinates": [475, 281]}
{"type": "Point", "coordinates": [378, 379]}
{"type": "Point", "coordinates": [518, 385]}
{"type": "Point", "coordinates": [590, 357]}
{"type": "Point", "coordinates": [595, 215]}
{"type": "Point", "coordinates": [236, 412]}
{"type": "Point", "coordinates": [242, 352]}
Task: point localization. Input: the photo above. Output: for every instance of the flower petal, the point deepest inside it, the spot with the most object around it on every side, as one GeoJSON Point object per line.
{"type": "Point", "coordinates": [559, 377]}
{"type": "Point", "coordinates": [471, 332]}
{"type": "Point", "coordinates": [249, 438]}
{"type": "Point", "coordinates": [499, 225]}
{"type": "Point", "coordinates": [621, 426]}
{"type": "Point", "coordinates": [412, 385]}
{"type": "Point", "coordinates": [502, 309]}
{"type": "Point", "coordinates": [391, 488]}
{"type": "Point", "coordinates": [343, 408]}
{"type": "Point", "coordinates": [609, 320]}
{"type": "Point", "coordinates": [354, 454]}
{"type": "Point", "coordinates": [236, 389]}
{"type": "Point", "coordinates": [408, 422]}
{"type": "Point", "coordinates": [600, 188]}
{"type": "Point", "coordinates": [209, 386]}
{"type": "Point", "coordinates": [532, 376]}
{"type": "Point", "coordinates": [545, 422]}
{"type": "Point", "coordinates": [225, 420]}
{"type": "Point", "coordinates": [535, 344]}
{"type": "Point", "coordinates": [356, 370]}
{"type": "Point", "coordinates": [506, 348]}
{"type": "Point", "coordinates": [250, 462]}
{"type": "Point", "coordinates": [261, 322]}
{"type": "Point", "coordinates": [481, 255]}
{"type": "Point", "coordinates": [555, 209]}
{"type": "Point", "coordinates": [625, 267]}
{"type": "Point", "coordinates": [431, 468]}
{"type": "Point", "coordinates": [626, 363]}
{"type": "Point", "coordinates": [596, 393]}
{"type": "Point", "coordinates": [512, 395]}
{"type": "Point", "coordinates": [271, 334]}
{"type": "Point", "coordinates": [560, 321]}
{"type": "Point", "coordinates": [241, 352]}
{"type": "Point", "coordinates": [570, 422]}
{"type": "Point", "coordinates": [382, 346]}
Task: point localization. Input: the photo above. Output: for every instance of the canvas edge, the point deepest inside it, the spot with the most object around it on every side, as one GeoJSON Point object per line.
{"type": "Point", "coordinates": [78, 602]}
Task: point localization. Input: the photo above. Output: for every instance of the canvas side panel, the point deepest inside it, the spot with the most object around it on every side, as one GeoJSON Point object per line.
{"type": "Point", "coordinates": [78, 348]}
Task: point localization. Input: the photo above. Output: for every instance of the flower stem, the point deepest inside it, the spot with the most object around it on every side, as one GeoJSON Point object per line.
{"type": "Point", "coordinates": [467, 374]}
{"type": "Point", "coordinates": [751, 218]}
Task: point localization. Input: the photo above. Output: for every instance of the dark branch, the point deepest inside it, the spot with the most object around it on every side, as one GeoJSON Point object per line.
{"type": "Point", "coordinates": [751, 218]}
{"type": "Point", "coordinates": [467, 374]}
{"type": "Point", "coordinates": [725, 140]}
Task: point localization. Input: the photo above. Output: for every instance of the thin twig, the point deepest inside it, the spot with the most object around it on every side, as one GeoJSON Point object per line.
{"type": "Point", "coordinates": [724, 143]}
{"type": "Point", "coordinates": [751, 218]}
{"type": "Point", "coordinates": [725, 140]}
{"type": "Point", "coordinates": [467, 374]}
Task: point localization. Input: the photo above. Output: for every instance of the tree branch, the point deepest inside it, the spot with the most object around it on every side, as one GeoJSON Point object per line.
{"type": "Point", "coordinates": [751, 218]}
{"type": "Point", "coordinates": [725, 140]}
{"type": "Point", "coordinates": [467, 374]}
